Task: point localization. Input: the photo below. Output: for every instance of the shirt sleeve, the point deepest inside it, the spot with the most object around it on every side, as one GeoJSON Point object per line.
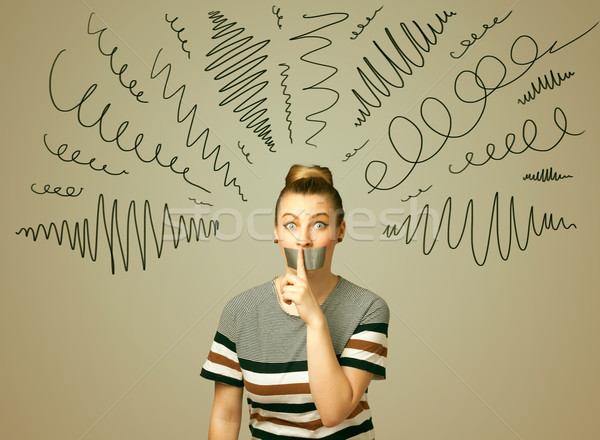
{"type": "Point", "coordinates": [367, 347]}
{"type": "Point", "coordinates": [222, 364]}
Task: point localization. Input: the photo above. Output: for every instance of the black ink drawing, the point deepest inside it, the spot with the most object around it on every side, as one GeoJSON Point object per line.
{"type": "Point", "coordinates": [178, 31]}
{"type": "Point", "coordinates": [200, 203]}
{"type": "Point", "coordinates": [304, 57]}
{"type": "Point", "coordinates": [475, 37]}
{"type": "Point", "coordinates": [276, 12]}
{"type": "Point", "coordinates": [288, 112]}
{"type": "Point", "coordinates": [488, 76]}
{"type": "Point", "coordinates": [546, 175]}
{"type": "Point", "coordinates": [119, 132]}
{"type": "Point", "coordinates": [402, 67]}
{"type": "Point", "coordinates": [110, 55]}
{"type": "Point", "coordinates": [243, 86]}
{"type": "Point", "coordinates": [363, 26]}
{"type": "Point", "coordinates": [86, 236]}
{"type": "Point", "coordinates": [421, 191]}
{"type": "Point", "coordinates": [545, 84]}
{"type": "Point", "coordinates": [356, 150]}
{"type": "Point", "coordinates": [69, 190]}
{"type": "Point", "coordinates": [75, 154]}
{"type": "Point", "coordinates": [469, 222]}
{"type": "Point", "coordinates": [529, 133]}
{"type": "Point", "coordinates": [192, 115]}
{"type": "Point", "coordinates": [246, 155]}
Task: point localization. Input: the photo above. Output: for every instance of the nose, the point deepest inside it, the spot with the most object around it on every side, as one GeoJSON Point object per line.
{"type": "Point", "coordinates": [304, 238]}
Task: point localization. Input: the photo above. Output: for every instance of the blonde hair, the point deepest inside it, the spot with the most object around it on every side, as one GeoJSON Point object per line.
{"type": "Point", "coordinates": [315, 179]}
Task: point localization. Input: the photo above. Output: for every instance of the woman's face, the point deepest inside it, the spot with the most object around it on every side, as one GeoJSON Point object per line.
{"type": "Point", "coordinates": [308, 221]}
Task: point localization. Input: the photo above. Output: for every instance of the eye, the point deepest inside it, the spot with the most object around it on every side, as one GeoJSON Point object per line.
{"type": "Point", "coordinates": [320, 225]}
{"type": "Point", "coordinates": [290, 226]}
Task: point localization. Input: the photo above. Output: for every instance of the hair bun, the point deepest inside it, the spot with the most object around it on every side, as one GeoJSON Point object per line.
{"type": "Point", "coordinates": [298, 172]}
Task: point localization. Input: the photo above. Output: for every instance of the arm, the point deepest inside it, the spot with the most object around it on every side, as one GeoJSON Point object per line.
{"type": "Point", "coordinates": [226, 415]}
{"type": "Point", "coordinates": [336, 390]}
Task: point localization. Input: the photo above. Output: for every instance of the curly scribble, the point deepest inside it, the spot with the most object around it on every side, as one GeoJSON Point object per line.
{"type": "Point", "coordinates": [178, 31]}
{"type": "Point", "coordinates": [546, 175]}
{"type": "Point", "coordinates": [62, 149]}
{"type": "Point", "coordinates": [246, 155]}
{"type": "Point", "coordinates": [356, 150]}
{"type": "Point", "coordinates": [199, 203]}
{"type": "Point", "coordinates": [468, 43]}
{"type": "Point", "coordinates": [69, 190]}
{"type": "Point", "coordinates": [363, 26]}
{"type": "Point", "coordinates": [469, 218]}
{"type": "Point", "coordinates": [415, 59]}
{"type": "Point", "coordinates": [86, 237]}
{"type": "Point", "coordinates": [304, 58]}
{"type": "Point", "coordinates": [421, 191]}
{"type": "Point", "coordinates": [276, 12]}
{"type": "Point", "coordinates": [287, 99]}
{"type": "Point", "coordinates": [247, 75]}
{"type": "Point", "coordinates": [544, 84]}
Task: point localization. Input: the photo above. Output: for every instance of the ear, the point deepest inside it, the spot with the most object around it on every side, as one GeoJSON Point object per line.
{"type": "Point", "coordinates": [342, 229]}
{"type": "Point", "coordinates": [275, 231]}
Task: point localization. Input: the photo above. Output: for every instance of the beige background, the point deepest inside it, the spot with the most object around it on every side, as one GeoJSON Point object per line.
{"type": "Point", "coordinates": [500, 351]}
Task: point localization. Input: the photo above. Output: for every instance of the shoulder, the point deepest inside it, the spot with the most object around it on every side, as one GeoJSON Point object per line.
{"type": "Point", "coordinates": [362, 297]}
{"type": "Point", "coordinates": [249, 299]}
{"type": "Point", "coordinates": [358, 304]}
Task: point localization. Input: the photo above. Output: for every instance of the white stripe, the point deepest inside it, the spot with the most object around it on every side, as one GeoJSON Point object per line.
{"type": "Point", "coordinates": [222, 350]}
{"type": "Point", "coordinates": [278, 398]}
{"type": "Point", "coordinates": [222, 370]}
{"type": "Point", "coordinates": [276, 378]}
{"type": "Point", "coordinates": [364, 356]}
{"type": "Point", "coordinates": [309, 416]}
{"type": "Point", "coordinates": [378, 338]}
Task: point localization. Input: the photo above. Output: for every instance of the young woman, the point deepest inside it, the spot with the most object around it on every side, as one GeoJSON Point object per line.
{"type": "Point", "coordinates": [305, 344]}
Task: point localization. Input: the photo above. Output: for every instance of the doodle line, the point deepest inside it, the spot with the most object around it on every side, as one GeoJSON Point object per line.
{"type": "Point", "coordinates": [421, 191]}
{"type": "Point", "coordinates": [192, 113]}
{"type": "Point", "coordinates": [529, 133]}
{"type": "Point", "coordinates": [199, 203]}
{"type": "Point", "coordinates": [546, 223]}
{"type": "Point", "coordinates": [363, 26]}
{"type": "Point", "coordinates": [246, 155]}
{"type": "Point", "coordinates": [475, 37]}
{"type": "Point", "coordinates": [82, 233]}
{"type": "Point", "coordinates": [279, 17]}
{"type": "Point", "coordinates": [70, 190]}
{"type": "Point", "coordinates": [317, 85]}
{"type": "Point", "coordinates": [546, 175]}
{"type": "Point", "coordinates": [178, 31]}
{"type": "Point", "coordinates": [356, 150]}
{"type": "Point", "coordinates": [110, 55]}
{"type": "Point", "coordinates": [407, 70]}
{"type": "Point", "coordinates": [547, 83]}
{"type": "Point", "coordinates": [75, 154]}
{"type": "Point", "coordinates": [245, 82]}
{"type": "Point", "coordinates": [288, 112]}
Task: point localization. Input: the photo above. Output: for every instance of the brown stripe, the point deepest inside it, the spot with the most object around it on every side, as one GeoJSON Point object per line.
{"type": "Point", "coordinates": [371, 347]}
{"type": "Point", "coordinates": [222, 360]}
{"type": "Point", "coordinates": [311, 426]}
{"type": "Point", "coordinates": [272, 390]}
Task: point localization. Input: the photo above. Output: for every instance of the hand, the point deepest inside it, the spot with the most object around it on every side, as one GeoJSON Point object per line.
{"type": "Point", "coordinates": [295, 289]}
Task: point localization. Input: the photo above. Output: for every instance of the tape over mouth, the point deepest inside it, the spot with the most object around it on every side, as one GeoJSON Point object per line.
{"type": "Point", "coordinates": [314, 258]}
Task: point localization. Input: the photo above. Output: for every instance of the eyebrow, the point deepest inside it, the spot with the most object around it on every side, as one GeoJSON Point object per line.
{"type": "Point", "coordinates": [312, 216]}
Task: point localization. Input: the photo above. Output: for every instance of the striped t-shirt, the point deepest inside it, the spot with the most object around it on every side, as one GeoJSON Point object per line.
{"type": "Point", "coordinates": [261, 347]}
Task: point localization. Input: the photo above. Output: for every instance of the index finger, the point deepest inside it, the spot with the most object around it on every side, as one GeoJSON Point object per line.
{"type": "Point", "coordinates": [300, 268]}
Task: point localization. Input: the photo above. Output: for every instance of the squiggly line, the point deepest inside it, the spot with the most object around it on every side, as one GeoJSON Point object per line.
{"type": "Point", "coordinates": [356, 150]}
{"type": "Point", "coordinates": [304, 58]}
{"type": "Point", "coordinates": [546, 176]}
{"type": "Point", "coordinates": [75, 154]}
{"type": "Point", "coordinates": [545, 84]}
{"type": "Point", "coordinates": [178, 31]}
{"type": "Point", "coordinates": [192, 114]}
{"type": "Point", "coordinates": [276, 13]}
{"type": "Point", "coordinates": [200, 203]}
{"type": "Point", "coordinates": [246, 155]}
{"type": "Point", "coordinates": [421, 191]}
{"type": "Point", "coordinates": [469, 218]}
{"type": "Point", "coordinates": [70, 190]}
{"type": "Point", "coordinates": [245, 82]}
{"type": "Point", "coordinates": [287, 99]}
{"type": "Point", "coordinates": [407, 70]}
{"type": "Point", "coordinates": [86, 238]}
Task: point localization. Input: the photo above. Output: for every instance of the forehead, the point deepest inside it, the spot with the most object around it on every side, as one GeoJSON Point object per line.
{"type": "Point", "coordinates": [305, 204]}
